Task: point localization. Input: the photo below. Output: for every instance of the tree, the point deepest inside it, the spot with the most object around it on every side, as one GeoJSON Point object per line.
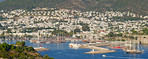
{"type": "Point", "coordinates": [136, 38]}
{"type": "Point", "coordinates": [22, 57]}
{"type": "Point", "coordinates": [111, 34]}
{"type": "Point", "coordinates": [31, 49]}
{"type": "Point", "coordinates": [12, 47]}
{"type": "Point", "coordinates": [3, 34]}
{"type": "Point", "coordinates": [122, 40]}
{"type": "Point", "coordinates": [47, 57]}
{"type": "Point", "coordinates": [76, 30]}
{"type": "Point", "coordinates": [5, 46]}
{"type": "Point", "coordinates": [20, 43]}
{"type": "Point", "coordinates": [10, 51]}
{"type": "Point", "coordinates": [131, 37]}
{"type": "Point", "coordinates": [120, 34]}
{"type": "Point", "coordinates": [1, 25]}
{"type": "Point", "coordinates": [125, 36]}
{"type": "Point", "coordinates": [61, 33]}
{"type": "Point", "coordinates": [134, 32]}
{"type": "Point", "coordinates": [9, 30]}
{"type": "Point", "coordinates": [23, 43]}
{"type": "Point", "coordinates": [85, 28]}
{"type": "Point", "coordinates": [3, 54]}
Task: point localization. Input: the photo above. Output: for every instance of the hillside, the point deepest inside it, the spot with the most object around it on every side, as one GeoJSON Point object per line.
{"type": "Point", "coordinates": [19, 51]}
{"type": "Point", "coordinates": [137, 6]}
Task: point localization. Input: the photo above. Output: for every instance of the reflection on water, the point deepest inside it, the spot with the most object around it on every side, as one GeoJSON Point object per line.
{"type": "Point", "coordinates": [63, 51]}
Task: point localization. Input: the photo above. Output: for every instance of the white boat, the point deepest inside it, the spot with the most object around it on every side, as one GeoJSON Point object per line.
{"type": "Point", "coordinates": [6, 39]}
{"type": "Point", "coordinates": [37, 41]}
{"type": "Point", "coordinates": [30, 40]}
{"type": "Point", "coordinates": [74, 45]}
{"type": "Point", "coordinates": [48, 42]}
{"type": "Point", "coordinates": [103, 55]}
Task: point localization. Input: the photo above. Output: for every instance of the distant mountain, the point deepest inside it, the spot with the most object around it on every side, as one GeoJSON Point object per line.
{"type": "Point", "coordinates": [137, 6]}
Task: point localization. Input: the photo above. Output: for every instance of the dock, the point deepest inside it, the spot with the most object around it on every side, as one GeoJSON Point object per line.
{"type": "Point", "coordinates": [99, 50]}
{"type": "Point", "coordinates": [41, 49]}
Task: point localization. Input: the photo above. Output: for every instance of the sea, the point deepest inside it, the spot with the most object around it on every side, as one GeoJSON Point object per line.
{"type": "Point", "coordinates": [63, 51]}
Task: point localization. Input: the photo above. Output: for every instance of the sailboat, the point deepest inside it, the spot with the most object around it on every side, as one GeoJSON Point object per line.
{"type": "Point", "coordinates": [117, 46]}
{"type": "Point", "coordinates": [135, 49]}
{"type": "Point", "coordinates": [38, 41]}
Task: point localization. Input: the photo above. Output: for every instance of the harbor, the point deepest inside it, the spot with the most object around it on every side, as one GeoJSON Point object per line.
{"type": "Point", "coordinates": [62, 50]}
{"type": "Point", "coordinates": [132, 47]}
{"type": "Point", "coordinates": [96, 46]}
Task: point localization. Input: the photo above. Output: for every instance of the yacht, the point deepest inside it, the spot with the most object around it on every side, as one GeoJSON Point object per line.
{"type": "Point", "coordinates": [37, 41]}
{"type": "Point", "coordinates": [134, 49]}
{"type": "Point", "coordinates": [74, 45]}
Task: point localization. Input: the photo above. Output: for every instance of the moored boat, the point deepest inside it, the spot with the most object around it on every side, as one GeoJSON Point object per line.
{"type": "Point", "coordinates": [116, 47]}
{"type": "Point", "coordinates": [134, 49]}
{"type": "Point", "coordinates": [37, 41]}
{"type": "Point", "coordinates": [74, 45]}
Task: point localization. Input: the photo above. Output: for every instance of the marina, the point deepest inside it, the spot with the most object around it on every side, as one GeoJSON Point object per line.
{"type": "Point", "coordinates": [73, 29]}
{"type": "Point", "coordinates": [62, 50]}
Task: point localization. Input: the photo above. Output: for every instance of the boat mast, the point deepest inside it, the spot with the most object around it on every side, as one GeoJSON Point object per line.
{"type": "Point", "coordinates": [130, 45]}
{"type": "Point", "coordinates": [12, 32]}
{"type": "Point", "coordinates": [134, 44]}
{"type": "Point", "coordinates": [74, 27]}
{"type": "Point", "coordinates": [38, 35]}
{"type": "Point", "coordinates": [58, 30]}
{"type": "Point", "coordinates": [5, 33]}
{"type": "Point", "coordinates": [138, 45]}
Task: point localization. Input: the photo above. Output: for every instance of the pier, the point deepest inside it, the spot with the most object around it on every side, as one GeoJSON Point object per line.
{"type": "Point", "coordinates": [99, 50]}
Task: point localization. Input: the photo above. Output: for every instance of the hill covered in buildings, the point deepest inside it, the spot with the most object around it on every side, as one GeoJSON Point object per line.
{"type": "Point", "coordinates": [136, 6]}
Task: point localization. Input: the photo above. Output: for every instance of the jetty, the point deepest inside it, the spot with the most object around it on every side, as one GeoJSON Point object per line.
{"type": "Point", "coordinates": [99, 50]}
{"type": "Point", "coordinates": [41, 49]}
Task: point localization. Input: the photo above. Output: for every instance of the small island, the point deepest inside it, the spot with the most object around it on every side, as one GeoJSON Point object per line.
{"type": "Point", "coordinates": [19, 51]}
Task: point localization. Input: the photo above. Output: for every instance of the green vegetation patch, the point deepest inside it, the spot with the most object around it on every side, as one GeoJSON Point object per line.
{"type": "Point", "coordinates": [19, 51]}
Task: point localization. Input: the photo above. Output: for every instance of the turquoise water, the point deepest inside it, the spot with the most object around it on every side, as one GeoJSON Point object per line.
{"type": "Point", "coordinates": [62, 51]}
